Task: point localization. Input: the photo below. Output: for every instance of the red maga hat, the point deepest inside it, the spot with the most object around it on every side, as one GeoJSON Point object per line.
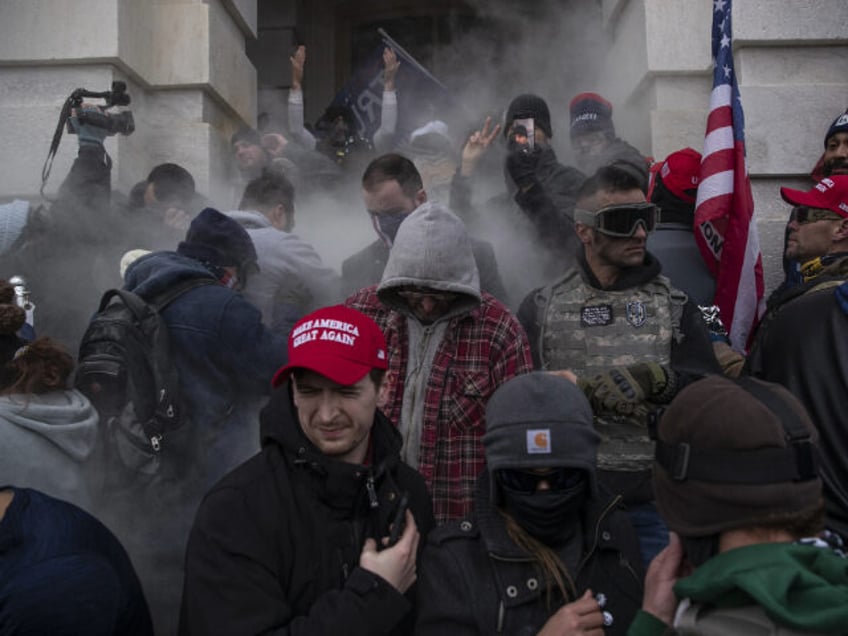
{"type": "Point", "coordinates": [337, 342]}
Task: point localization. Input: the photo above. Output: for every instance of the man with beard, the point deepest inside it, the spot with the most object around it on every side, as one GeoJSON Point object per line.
{"type": "Point", "coordinates": [629, 336]}
{"type": "Point", "coordinates": [802, 342]}
{"type": "Point", "coordinates": [834, 161]}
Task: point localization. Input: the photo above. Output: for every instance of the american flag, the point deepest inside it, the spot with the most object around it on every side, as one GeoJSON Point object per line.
{"type": "Point", "coordinates": [724, 209]}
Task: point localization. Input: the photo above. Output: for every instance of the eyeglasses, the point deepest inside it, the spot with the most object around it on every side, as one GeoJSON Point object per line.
{"type": "Point", "coordinates": [802, 214]}
{"type": "Point", "coordinates": [417, 294]}
{"type": "Point", "coordinates": [527, 482]}
{"type": "Point", "coordinates": [621, 220]}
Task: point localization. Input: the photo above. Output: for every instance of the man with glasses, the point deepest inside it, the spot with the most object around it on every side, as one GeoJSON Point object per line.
{"type": "Point", "coordinates": [630, 338]}
{"type": "Point", "coordinates": [392, 188]}
{"type": "Point", "coordinates": [802, 342]}
{"type": "Point", "coordinates": [450, 346]}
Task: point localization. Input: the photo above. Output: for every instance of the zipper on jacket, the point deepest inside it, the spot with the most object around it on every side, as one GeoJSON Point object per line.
{"type": "Point", "coordinates": [372, 491]}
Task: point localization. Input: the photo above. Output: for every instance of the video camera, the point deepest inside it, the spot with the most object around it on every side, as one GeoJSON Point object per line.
{"type": "Point", "coordinates": [113, 123]}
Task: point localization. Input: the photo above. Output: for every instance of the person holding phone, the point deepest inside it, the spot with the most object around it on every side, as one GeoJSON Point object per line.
{"type": "Point", "coordinates": [319, 533]}
{"type": "Point", "coordinates": [546, 551]}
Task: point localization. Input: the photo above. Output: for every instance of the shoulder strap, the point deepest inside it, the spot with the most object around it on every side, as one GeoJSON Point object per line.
{"type": "Point", "coordinates": [162, 300]}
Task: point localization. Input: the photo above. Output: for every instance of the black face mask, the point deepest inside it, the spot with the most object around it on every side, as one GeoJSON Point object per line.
{"type": "Point", "coordinates": [699, 550]}
{"type": "Point", "coordinates": [551, 516]}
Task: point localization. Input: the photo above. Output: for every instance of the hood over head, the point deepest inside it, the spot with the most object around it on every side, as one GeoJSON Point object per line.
{"type": "Point", "coordinates": [432, 249]}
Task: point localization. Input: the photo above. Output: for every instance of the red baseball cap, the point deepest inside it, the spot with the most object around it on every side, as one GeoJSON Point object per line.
{"type": "Point", "coordinates": [680, 173]}
{"type": "Point", "coordinates": [337, 342]}
{"type": "Point", "coordinates": [830, 193]}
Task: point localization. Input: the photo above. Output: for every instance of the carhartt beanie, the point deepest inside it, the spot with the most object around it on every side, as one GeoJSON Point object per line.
{"type": "Point", "coordinates": [528, 106]}
{"type": "Point", "coordinates": [719, 414]}
{"type": "Point", "coordinates": [589, 113]}
{"type": "Point", "coordinates": [840, 124]}
{"type": "Point", "coordinates": [540, 420]}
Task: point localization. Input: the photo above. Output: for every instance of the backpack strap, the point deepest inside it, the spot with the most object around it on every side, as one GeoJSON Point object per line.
{"type": "Point", "coordinates": [165, 377]}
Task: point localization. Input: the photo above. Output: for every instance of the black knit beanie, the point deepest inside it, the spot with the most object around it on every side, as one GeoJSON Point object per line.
{"type": "Point", "coordinates": [528, 106]}
{"type": "Point", "coordinates": [540, 420]}
{"type": "Point", "coordinates": [216, 239]}
{"type": "Point", "coordinates": [719, 419]}
{"type": "Point", "coordinates": [840, 124]}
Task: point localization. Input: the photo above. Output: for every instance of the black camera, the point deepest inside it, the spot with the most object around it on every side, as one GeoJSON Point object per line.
{"type": "Point", "coordinates": [113, 123]}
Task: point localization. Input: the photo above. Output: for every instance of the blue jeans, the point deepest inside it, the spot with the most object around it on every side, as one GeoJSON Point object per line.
{"type": "Point", "coordinates": [650, 528]}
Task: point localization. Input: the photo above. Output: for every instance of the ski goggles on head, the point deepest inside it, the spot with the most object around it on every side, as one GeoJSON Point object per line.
{"type": "Point", "coordinates": [621, 219]}
{"type": "Point", "coordinates": [802, 214]}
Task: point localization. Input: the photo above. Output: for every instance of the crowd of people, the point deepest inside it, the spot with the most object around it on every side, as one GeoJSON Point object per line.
{"type": "Point", "coordinates": [505, 415]}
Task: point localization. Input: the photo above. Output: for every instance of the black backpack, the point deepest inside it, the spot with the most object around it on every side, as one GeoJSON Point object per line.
{"type": "Point", "coordinates": [125, 369]}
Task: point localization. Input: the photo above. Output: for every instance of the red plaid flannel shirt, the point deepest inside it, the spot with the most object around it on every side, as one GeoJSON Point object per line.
{"type": "Point", "coordinates": [480, 351]}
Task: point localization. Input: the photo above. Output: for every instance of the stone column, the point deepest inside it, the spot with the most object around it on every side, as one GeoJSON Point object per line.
{"type": "Point", "coordinates": [184, 64]}
{"type": "Point", "coordinates": [790, 61]}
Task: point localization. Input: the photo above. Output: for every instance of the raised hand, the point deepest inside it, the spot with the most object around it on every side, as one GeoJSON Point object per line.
{"type": "Point", "coordinates": [298, 60]}
{"type": "Point", "coordinates": [477, 145]}
{"type": "Point", "coordinates": [390, 68]}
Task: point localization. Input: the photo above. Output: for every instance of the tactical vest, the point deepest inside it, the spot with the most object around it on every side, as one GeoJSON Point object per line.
{"type": "Point", "coordinates": [589, 330]}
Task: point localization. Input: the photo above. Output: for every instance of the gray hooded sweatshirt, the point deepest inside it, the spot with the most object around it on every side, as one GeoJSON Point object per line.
{"type": "Point", "coordinates": [431, 250]}
{"type": "Point", "coordinates": [292, 280]}
{"type": "Point", "coordinates": [46, 443]}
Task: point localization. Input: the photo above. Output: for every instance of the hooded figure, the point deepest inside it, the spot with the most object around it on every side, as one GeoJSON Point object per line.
{"type": "Point", "coordinates": [450, 345]}
{"type": "Point", "coordinates": [48, 432]}
{"type": "Point", "coordinates": [542, 533]}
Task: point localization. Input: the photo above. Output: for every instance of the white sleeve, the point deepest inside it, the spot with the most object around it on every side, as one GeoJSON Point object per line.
{"type": "Point", "coordinates": [296, 127]}
{"type": "Point", "coordinates": [388, 122]}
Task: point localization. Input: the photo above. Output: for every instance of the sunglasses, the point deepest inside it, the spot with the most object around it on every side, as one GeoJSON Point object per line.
{"type": "Point", "coordinates": [527, 482]}
{"type": "Point", "coordinates": [416, 295]}
{"type": "Point", "coordinates": [621, 220]}
{"type": "Point", "coordinates": [802, 214]}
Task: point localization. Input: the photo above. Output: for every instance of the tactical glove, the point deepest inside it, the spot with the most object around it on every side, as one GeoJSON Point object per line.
{"type": "Point", "coordinates": [521, 165]}
{"type": "Point", "coordinates": [624, 390]}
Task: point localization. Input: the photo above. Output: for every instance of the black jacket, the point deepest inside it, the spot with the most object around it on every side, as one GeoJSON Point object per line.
{"type": "Point", "coordinates": [519, 223]}
{"type": "Point", "coordinates": [275, 545]}
{"type": "Point", "coordinates": [365, 268]}
{"type": "Point", "coordinates": [474, 579]}
{"type": "Point", "coordinates": [802, 344]}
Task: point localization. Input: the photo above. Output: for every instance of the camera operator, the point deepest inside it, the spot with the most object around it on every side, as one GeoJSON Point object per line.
{"type": "Point", "coordinates": [67, 251]}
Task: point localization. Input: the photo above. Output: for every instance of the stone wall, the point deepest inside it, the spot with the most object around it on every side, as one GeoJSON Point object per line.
{"type": "Point", "coordinates": [790, 62]}
{"type": "Point", "coordinates": [184, 63]}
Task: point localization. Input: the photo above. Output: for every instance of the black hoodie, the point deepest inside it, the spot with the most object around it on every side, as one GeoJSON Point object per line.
{"type": "Point", "coordinates": [275, 546]}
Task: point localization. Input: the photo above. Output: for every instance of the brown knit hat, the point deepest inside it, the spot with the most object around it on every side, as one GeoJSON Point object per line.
{"type": "Point", "coordinates": [731, 454]}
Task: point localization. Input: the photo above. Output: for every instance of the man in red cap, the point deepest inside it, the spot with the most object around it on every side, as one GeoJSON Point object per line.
{"type": "Point", "coordinates": [318, 533]}
{"type": "Point", "coordinates": [674, 187]}
{"type": "Point", "coordinates": [802, 342]}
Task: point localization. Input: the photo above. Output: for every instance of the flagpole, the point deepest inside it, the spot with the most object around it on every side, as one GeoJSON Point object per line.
{"type": "Point", "coordinates": [408, 57]}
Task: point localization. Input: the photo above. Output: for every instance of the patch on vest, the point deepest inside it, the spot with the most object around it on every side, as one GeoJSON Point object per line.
{"type": "Point", "coordinates": [596, 316]}
{"type": "Point", "coordinates": [635, 313]}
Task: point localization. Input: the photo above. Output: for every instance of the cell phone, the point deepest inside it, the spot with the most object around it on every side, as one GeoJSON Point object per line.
{"type": "Point", "coordinates": [399, 522]}
{"type": "Point", "coordinates": [526, 137]}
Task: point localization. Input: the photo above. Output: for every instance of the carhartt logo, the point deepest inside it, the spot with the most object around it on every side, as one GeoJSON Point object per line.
{"type": "Point", "coordinates": [539, 441]}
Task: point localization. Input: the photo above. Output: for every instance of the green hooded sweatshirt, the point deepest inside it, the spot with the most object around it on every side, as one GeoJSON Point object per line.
{"type": "Point", "coordinates": [795, 588]}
